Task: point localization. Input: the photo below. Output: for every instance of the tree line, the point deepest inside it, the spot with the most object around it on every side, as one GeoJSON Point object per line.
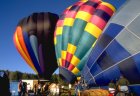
{"type": "Point", "coordinates": [17, 75]}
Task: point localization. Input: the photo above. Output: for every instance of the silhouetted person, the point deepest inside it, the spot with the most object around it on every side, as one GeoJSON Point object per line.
{"type": "Point", "coordinates": [24, 89]}
{"type": "Point", "coordinates": [46, 88]}
{"type": "Point", "coordinates": [4, 84]}
{"type": "Point", "coordinates": [35, 89]}
{"type": "Point", "coordinates": [39, 89]}
{"type": "Point", "coordinates": [20, 88]}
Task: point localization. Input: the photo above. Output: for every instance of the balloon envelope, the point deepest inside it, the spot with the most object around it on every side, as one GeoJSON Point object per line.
{"type": "Point", "coordinates": [33, 39]}
{"type": "Point", "coordinates": [117, 51]}
{"type": "Point", "coordinates": [77, 31]}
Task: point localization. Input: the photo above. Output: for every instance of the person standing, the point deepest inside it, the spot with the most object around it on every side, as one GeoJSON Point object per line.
{"type": "Point", "coordinates": [35, 89]}
{"type": "Point", "coordinates": [112, 88]}
{"type": "Point", "coordinates": [122, 85]}
{"type": "Point", "coordinates": [76, 88]}
{"type": "Point", "coordinates": [46, 88]}
{"type": "Point", "coordinates": [4, 84]}
{"type": "Point", "coordinates": [20, 88]}
{"type": "Point", "coordinates": [24, 89]}
{"type": "Point", "coordinates": [39, 89]}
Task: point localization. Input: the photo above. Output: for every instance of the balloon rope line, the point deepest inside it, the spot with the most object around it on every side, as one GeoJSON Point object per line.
{"type": "Point", "coordinates": [110, 43]}
{"type": "Point", "coordinates": [134, 85]}
{"type": "Point", "coordinates": [93, 78]}
{"type": "Point", "coordinates": [132, 33]}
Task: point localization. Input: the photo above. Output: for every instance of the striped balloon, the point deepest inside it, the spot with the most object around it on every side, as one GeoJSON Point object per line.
{"type": "Point", "coordinates": [33, 39]}
{"type": "Point", "coordinates": [77, 31]}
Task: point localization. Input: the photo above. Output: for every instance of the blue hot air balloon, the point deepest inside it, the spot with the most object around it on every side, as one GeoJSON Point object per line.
{"type": "Point", "coordinates": [117, 51]}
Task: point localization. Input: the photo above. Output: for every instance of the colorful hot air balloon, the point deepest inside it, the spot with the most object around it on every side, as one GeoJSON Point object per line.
{"type": "Point", "coordinates": [117, 51]}
{"type": "Point", "coordinates": [33, 39]}
{"type": "Point", "coordinates": [77, 31]}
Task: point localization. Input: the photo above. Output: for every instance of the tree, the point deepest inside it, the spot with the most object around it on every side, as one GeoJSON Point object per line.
{"type": "Point", "coordinates": [25, 76]}
{"type": "Point", "coordinates": [13, 76]}
{"type": "Point", "coordinates": [17, 75]}
{"type": "Point", "coordinates": [55, 78]}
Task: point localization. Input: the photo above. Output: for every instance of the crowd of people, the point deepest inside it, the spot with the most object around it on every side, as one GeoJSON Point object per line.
{"type": "Point", "coordinates": [120, 87]}
{"type": "Point", "coordinates": [79, 86]}
{"type": "Point", "coordinates": [116, 88]}
{"type": "Point", "coordinates": [38, 89]}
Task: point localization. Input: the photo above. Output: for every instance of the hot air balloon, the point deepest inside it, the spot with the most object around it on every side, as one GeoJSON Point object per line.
{"type": "Point", "coordinates": [117, 51]}
{"type": "Point", "coordinates": [77, 31]}
{"type": "Point", "coordinates": [33, 39]}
